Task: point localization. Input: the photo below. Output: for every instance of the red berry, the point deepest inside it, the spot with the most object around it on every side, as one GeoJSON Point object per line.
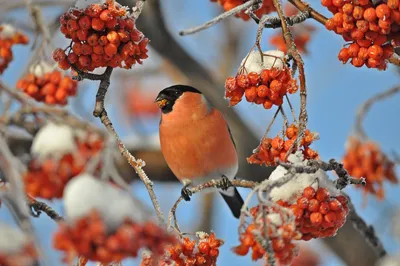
{"type": "Point", "coordinates": [322, 194]}
{"type": "Point", "coordinates": [308, 192]}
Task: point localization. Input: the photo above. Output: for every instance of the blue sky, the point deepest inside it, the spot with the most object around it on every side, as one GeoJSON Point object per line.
{"type": "Point", "coordinates": [335, 91]}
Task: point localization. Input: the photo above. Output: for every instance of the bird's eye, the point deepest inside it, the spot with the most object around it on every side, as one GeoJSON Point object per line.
{"type": "Point", "coordinates": [176, 92]}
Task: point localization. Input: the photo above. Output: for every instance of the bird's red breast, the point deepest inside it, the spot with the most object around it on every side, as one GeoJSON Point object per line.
{"type": "Point", "coordinates": [195, 139]}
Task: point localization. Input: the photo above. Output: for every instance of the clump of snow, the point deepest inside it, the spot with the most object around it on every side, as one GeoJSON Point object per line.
{"type": "Point", "coordinates": [7, 31]}
{"type": "Point", "coordinates": [389, 261]}
{"type": "Point", "coordinates": [12, 240]}
{"type": "Point", "coordinates": [291, 190]}
{"type": "Point", "coordinates": [53, 140]}
{"type": "Point", "coordinates": [275, 218]}
{"type": "Point", "coordinates": [41, 68]}
{"type": "Point", "coordinates": [253, 62]}
{"type": "Point", "coordinates": [85, 193]}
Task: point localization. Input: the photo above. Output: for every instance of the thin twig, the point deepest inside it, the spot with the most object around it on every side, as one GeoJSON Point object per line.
{"type": "Point", "coordinates": [219, 18]}
{"type": "Point", "coordinates": [210, 184]}
{"type": "Point", "coordinates": [365, 107]}
{"type": "Point", "coordinates": [395, 59]}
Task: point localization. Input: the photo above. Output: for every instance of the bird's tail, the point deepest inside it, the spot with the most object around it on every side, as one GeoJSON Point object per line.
{"type": "Point", "coordinates": [233, 199]}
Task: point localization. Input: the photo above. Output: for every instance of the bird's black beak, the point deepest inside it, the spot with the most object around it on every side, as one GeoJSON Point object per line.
{"type": "Point", "coordinates": [161, 101]}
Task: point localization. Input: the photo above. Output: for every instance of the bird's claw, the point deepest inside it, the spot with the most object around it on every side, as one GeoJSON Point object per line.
{"type": "Point", "coordinates": [225, 183]}
{"type": "Point", "coordinates": [186, 193]}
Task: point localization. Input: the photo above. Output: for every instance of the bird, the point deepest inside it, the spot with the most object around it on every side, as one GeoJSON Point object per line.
{"type": "Point", "coordinates": [197, 143]}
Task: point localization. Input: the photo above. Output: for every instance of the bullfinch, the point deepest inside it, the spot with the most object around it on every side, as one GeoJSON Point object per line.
{"type": "Point", "coordinates": [196, 142]}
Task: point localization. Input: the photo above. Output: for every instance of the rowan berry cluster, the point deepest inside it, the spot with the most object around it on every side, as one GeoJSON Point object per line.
{"type": "Point", "coordinates": [25, 257]}
{"type": "Point", "coordinates": [272, 149]}
{"type": "Point", "coordinates": [365, 159]}
{"type": "Point", "coordinates": [8, 38]}
{"type": "Point", "coordinates": [373, 30]}
{"type": "Point", "coordinates": [281, 232]}
{"type": "Point", "coordinates": [266, 7]}
{"type": "Point", "coordinates": [46, 178]}
{"type": "Point", "coordinates": [317, 213]}
{"type": "Point", "coordinates": [267, 88]}
{"type": "Point", "coordinates": [52, 87]}
{"type": "Point", "coordinates": [189, 253]}
{"type": "Point", "coordinates": [89, 237]}
{"type": "Point", "coordinates": [102, 35]}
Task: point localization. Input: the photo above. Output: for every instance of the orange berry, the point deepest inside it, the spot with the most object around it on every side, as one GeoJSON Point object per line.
{"type": "Point", "coordinates": [380, 39]}
{"type": "Point", "coordinates": [324, 207]}
{"type": "Point", "coordinates": [32, 89]}
{"type": "Point", "coordinates": [98, 24]}
{"type": "Point", "coordinates": [85, 22]}
{"type": "Point", "coordinates": [204, 247]}
{"type": "Point", "coordinates": [64, 65]}
{"type": "Point", "coordinates": [251, 93]}
{"type": "Point", "coordinates": [344, 55]}
{"type": "Point", "coordinates": [60, 95]}
{"type": "Point", "coordinates": [370, 14]}
{"type": "Point", "coordinates": [93, 10]}
{"type": "Point", "coordinates": [322, 194]}
{"type": "Point", "coordinates": [262, 91]}
{"type": "Point", "coordinates": [357, 62]}
{"type": "Point", "coordinates": [242, 81]}
{"type": "Point", "coordinates": [358, 12]}
{"type": "Point", "coordinates": [308, 192]}
{"type": "Point", "coordinates": [49, 89]}
{"type": "Point", "coordinates": [363, 53]}
{"type": "Point", "coordinates": [326, 3]}
{"type": "Point", "coordinates": [302, 202]}
{"type": "Point", "coordinates": [110, 49]}
{"type": "Point", "coordinates": [72, 25]}
{"type": "Point", "coordinates": [275, 86]}
{"type": "Point", "coordinates": [264, 75]}
{"type": "Point", "coordinates": [77, 48]}
{"type": "Point", "coordinates": [277, 143]}
{"type": "Point", "coordinates": [84, 60]}
{"type": "Point", "coordinates": [330, 217]}
{"type": "Point", "coordinates": [348, 9]}
{"type": "Point", "coordinates": [338, 3]}
{"type": "Point", "coordinates": [335, 205]}
{"type": "Point", "coordinates": [106, 15]}
{"type": "Point", "coordinates": [72, 58]}
{"type": "Point", "coordinates": [388, 51]}
{"type": "Point", "coordinates": [213, 252]}
{"type": "Point", "coordinates": [393, 4]}
{"type": "Point", "coordinates": [113, 37]}
{"type": "Point", "coordinates": [59, 55]}
{"type": "Point", "coordinates": [82, 34]}
{"type": "Point", "coordinates": [375, 51]}
{"type": "Point", "coordinates": [297, 212]}
{"type": "Point", "coordinates": [111, 24]}
{"type": "Point", "coordinates": [254, 78]}
{"type": "Point", "coordinates": [362, 25]}
{"type": "Point", "coordinates": [86, 49]}
{"type": "Point", "coordinates": [363, 2]}
{"type": "Point", "coordinates": [98, 49]}
{"type": "Point", "coordinates": [382, 11]}
{"type": "Point", "coordinates": [267, 104]}
{"type": "Point", "coordinates": [316, 218]}
{"type": "Point", "coordinates": [93, 39]}
{"type": "Point", "coordinates": [357, 34]}
{"type": "Point", "coordinates": [353, 49]}
{"type": "Point", "coordinates": [338, 19]}
{"type": "Point", "coordinates": [123, 35]}
{"type": "Point", "coordinates": [313, 205]}
{"type": "Point", "coordinates": [330, 24]}
{"type": "Point", "coordinates": [230, 84]}
{"type": "Point", "coordinates": [50, 99]}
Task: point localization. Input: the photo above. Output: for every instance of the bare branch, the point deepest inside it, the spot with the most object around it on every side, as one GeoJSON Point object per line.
{"type": "Point", "coordinates": [219, 18]}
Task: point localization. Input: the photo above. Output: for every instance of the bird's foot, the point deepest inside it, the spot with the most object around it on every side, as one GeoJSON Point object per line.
{"type": "Point", "coordinates": [225, 183]}
{"type": "Point", "coordinates": [186, 193]}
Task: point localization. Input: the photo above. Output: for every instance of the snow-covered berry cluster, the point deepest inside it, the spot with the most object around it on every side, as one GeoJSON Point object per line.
{"type": "Point", "coordinates": [262, 79]}
{"type": "Point", "coordinates": [205, 252]}
{"type": "Point", "coordinates": [266, 7]}
{"type": "Point", "coordinates": [109, 226]}
{"type": "Point", "coordinates": [16, 249]}
{"type": "Point", "coordinates": [45, 84]}
{"type": "Point", "coordinates": [366, 159]}
{"type": "Point", "coordinates": [102, 35]}
{"type": "Point", "coordinates": [319, 208]}
{"type": "Point", "coordinates": [372, 29]}
{"type": "Point", "coordinates": [272, 149]}
{"type": "Point", "coordinates": [281, 233]}
{"type": "Point", "coordinates": [9, 37]}
{"type": "Point", "coordinates": [59, 154]}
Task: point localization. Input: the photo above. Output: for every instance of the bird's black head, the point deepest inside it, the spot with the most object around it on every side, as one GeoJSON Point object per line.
{"type": "Point", "coordinates": [167, 97]}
